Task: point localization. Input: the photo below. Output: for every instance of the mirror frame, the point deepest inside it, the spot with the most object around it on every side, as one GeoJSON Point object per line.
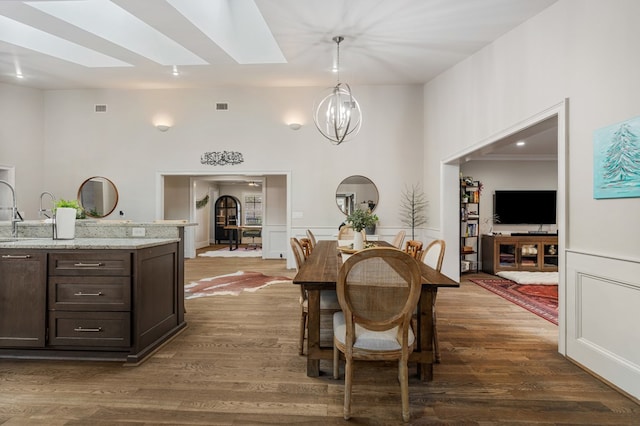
{"type": "Point", "coordinates": [346, 198]}
{"type": "Point", "coordinates": [109, 209]}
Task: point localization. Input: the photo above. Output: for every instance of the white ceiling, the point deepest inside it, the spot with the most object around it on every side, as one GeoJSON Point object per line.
{"type": "Point", "coordinates": [137, 44]}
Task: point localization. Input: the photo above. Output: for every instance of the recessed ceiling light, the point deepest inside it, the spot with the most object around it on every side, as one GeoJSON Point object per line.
{"type": "Point", "coordinates": [521, 143]}
{"type": "Point", "coordinates": [175, 71]}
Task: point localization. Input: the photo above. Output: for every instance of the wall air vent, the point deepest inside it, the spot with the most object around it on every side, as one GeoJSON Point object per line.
{"type": "Point", "coordinates": [100, 108]}
{"type": "Point", "coordinates": [222, 106]}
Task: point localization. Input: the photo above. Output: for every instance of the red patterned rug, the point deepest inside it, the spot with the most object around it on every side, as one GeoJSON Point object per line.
{"type": "Point", "coordinates": [542, 300]}
{"type": "Point", "coordinates": [230, 284]}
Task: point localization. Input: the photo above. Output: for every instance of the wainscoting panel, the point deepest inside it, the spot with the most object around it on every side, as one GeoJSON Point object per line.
{"type": "Point", "coordinates": [603, 296]}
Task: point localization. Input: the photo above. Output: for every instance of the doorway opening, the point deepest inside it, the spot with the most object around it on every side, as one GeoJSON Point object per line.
{"type": "Point", "coordinates": [179, 194]}
{"type": "Point", "coordinates": [450, 174]}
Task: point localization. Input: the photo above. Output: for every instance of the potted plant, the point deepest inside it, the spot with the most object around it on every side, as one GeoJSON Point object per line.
{"type": "Point", "coordinates": [359, 220]}
{"type": "Point", "coordinates": [65, 213]}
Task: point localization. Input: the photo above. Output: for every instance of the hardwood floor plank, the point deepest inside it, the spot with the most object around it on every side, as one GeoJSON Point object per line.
{"type": "Point", "coordinates": [237, 363]}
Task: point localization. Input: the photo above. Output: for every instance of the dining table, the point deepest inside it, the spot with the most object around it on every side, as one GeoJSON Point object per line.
{"type": "Point", "coordinates": [319, 272]}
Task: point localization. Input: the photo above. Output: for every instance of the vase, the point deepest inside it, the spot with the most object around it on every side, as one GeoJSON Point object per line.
{"type": "Point", "coordinates": [65, 223]}
{"type": "Point", "coordinates": [370, 230]}
{"type": "Point", "coordinates": [358, 240]}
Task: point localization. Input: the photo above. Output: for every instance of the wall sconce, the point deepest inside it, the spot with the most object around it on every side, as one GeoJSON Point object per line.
{"type": "Point", "coordinates": [162, 127]}
{"type": "Point", "coordinates": [295, 126]}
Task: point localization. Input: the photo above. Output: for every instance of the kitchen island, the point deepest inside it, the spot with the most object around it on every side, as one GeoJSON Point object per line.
{"type": "Point", "coordinates": [107, 299]}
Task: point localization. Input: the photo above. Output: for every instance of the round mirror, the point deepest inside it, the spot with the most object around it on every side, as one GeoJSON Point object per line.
{"type": "Point", "coordinates": [98, 196]}
{"type": "Point", "coordinates": [356, 192]}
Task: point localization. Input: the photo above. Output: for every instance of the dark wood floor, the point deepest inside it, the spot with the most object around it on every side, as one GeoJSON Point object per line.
{"type": "Point", "coordinates": [237, 364]}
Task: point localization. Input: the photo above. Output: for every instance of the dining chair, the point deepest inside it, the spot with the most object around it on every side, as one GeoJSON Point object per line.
{"type": "Point", "coordinates": [306, 246]}
{"type": "Point", "coordinates": [328, 298]}
{"type": "Point", "coordinates": [433, 256]}
{"type": "Point", "coordinates": [378, 290]}
{"type": "Point", "coordinates": [398, 239]}
{"type": "Point", "coordinates": [346, 233]}
{"type": "Point", "coordinates": [312, 239]}
{"type": "Point", "coordinates": [414, 248]}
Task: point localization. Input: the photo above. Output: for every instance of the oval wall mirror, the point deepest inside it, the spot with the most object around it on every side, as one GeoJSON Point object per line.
{"type": "Point", "coordinates": [98, 196]}
{"type": "Point", "coordinates": [356, 192]}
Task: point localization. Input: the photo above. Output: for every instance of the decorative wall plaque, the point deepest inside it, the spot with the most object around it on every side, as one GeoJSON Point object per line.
{"type": "Point", "coordinates": [221, 158]}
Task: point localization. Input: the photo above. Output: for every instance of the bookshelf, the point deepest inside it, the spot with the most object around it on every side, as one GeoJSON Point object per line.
{"type": "Point", "coordinates": [469, 224]}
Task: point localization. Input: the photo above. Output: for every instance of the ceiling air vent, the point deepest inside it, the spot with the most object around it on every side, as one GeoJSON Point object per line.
{"type": "Point", "coordinates": [101, 108]}
{"type": "Point", "coordinates": [222, 106]}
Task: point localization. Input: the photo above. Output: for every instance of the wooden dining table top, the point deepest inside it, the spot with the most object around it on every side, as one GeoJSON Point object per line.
{"type": "Point", "coordinates": [320, 269]}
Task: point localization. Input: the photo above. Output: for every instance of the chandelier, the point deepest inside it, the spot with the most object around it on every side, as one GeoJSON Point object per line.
{"type": "Point", "coordinates": [337, 114]}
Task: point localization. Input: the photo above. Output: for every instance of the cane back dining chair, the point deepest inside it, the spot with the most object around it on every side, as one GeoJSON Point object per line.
{"type": "Point", "coordinates": [378, 290]}
{"type": "Point", "coordinates": [433, 255]}
{"type": "Point", "coordinates": [346, 233]}
{"type": "Point", "coordinates": [398, 239]}
{"type": "Point", "coordinates": [328, 298]}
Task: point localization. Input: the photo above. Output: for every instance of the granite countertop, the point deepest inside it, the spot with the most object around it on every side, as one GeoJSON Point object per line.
{"type": "Point", "coordinates": [84, 243]}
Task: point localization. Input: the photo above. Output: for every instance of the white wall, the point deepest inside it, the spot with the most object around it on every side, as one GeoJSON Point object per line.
{"type": "Point", "coordinates": [123, 144]}
{"type": "Point", "coordinates": [581, 50]}
{"type": "Point", "coordinates": [21, 135]}
{"type": "Point", "coordinates": [501, 175]}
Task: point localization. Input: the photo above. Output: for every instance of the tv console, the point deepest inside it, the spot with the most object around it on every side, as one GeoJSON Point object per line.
{"type": "Point", "coordinates": [519, 252]}
{"type": "Point", "coordinates": [526, 234]}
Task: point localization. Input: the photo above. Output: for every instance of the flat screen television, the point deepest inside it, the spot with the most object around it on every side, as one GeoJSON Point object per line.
{"type": "Point", "coordinates": [532, 207]}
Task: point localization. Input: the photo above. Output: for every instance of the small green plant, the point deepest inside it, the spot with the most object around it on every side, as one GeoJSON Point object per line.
{"type": "Point", "coordinates": [361, 219]}
{"type": "Point", "coordinates": [72, 204]}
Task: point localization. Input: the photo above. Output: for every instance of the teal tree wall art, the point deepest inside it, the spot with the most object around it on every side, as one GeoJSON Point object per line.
{"type": "Point", "coordinates": [616, 160]}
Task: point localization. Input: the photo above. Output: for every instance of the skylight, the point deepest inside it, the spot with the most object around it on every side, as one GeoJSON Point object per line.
{"type": "Point", "coordinates": [110, 22]}
{"type": "Point", "coordinates": [23, 35]}
{"type": "Point", "coordinates": [236, 26]}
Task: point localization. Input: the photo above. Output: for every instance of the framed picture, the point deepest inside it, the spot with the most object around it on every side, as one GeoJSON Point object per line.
{"type": "Point", "coordinates": [616, 160]}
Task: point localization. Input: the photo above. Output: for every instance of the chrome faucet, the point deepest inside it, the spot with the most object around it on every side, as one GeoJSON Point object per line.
{"type": "Point", "coordinates": [43, 212]}
{"type": "Point", "coordinates": [15, 215]}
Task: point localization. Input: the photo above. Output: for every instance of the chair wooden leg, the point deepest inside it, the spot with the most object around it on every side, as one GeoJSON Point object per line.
{"type": "Point", "coordinates": [404, 389]}
{"type": "Point", "coordinates": [348, 376]}
{"type": "Point", "coordinates": [336, 360]}
{"type": "Point", "coordinates": [303, 328]}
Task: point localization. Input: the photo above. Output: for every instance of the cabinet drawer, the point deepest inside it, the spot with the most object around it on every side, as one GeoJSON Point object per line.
{"type": "Point", "coordinates": [89, 293]}
{"type": "Point", "coordinates": [95, 329]}
{"type": "Point", "coordinates": [90, 263]}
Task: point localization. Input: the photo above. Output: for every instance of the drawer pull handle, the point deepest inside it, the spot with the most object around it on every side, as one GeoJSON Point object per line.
{"type": "Point", "coordinates": [89, 294]}
{"type": "Point", "coordinates": [87, 265]}
{"type": "Point", "coordinates": [14, 256]}
{"type": "Point", "coordinates": [88, 330]}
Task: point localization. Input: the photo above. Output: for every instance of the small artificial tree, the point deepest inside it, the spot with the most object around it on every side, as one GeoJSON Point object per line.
{"type": "Point", "coordinates": [412, 208]}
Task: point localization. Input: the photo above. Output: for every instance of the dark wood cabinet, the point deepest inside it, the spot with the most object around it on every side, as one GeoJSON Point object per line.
{"type": "Point", "coordinates": [23, 298]}
{"type": "Point", "coordinates": [93, 304]}
{"type": "Point", "coordinates": [90, 298]}
{"type": "Point", "coordinates": [519, 253]}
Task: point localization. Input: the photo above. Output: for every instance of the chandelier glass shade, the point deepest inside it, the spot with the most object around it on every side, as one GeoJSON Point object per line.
{"type": "Point", "coordinates": [337, 114]}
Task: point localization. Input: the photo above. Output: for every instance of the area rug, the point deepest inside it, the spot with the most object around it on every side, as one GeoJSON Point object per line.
{"type": "Point", "coordinates": [230, 284]}
{"type": "Point", "coordinates": [530, 277]}
{"type": "Point", "coordinates": [542, 300]}
{"type": "Point", "coordinates": [239, 252]}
